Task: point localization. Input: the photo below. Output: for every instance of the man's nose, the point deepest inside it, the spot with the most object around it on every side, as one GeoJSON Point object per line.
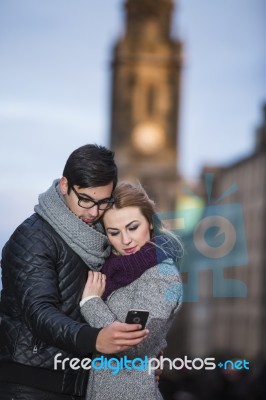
{"type": "Point", "coordinates": [94, 211]}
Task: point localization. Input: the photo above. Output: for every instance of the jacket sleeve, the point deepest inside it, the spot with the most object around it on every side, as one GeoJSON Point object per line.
{"type": "Point", "coordinates": [34, 279]}
{"type": "Point", "coordinates": [96, 312]}
{"type": "Point", "coordinates": [160, 294]}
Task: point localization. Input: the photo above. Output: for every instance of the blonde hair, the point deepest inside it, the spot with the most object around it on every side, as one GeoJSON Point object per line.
{"type": "Point", "coordinates": [128, 195]}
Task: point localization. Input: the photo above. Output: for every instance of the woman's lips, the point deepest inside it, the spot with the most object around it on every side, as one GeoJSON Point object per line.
{"type": "Point", "coordinates": [130, 250]}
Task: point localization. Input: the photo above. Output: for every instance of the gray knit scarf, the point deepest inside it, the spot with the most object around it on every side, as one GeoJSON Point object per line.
{"type": "Point", "coordinates": [88, 242]}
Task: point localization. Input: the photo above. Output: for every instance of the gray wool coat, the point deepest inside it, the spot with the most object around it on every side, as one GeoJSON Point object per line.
{"type": "Point", "coordinates": [159, 291]}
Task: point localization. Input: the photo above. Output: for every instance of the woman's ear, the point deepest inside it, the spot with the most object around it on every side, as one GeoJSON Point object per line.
{"type": "Point", "coordinates": [63, 184]}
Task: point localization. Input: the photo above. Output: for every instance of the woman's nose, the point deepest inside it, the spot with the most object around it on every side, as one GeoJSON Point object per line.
{"type": "Point", "coordinates": [126, 238]}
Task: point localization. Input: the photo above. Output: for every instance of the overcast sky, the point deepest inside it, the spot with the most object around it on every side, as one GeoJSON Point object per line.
{"type": "Point", "coordinates": [55, 87]}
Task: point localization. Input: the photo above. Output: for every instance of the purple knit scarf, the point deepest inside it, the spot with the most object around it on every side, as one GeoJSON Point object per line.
{"type": "Point", "coordinates": [120, 271]}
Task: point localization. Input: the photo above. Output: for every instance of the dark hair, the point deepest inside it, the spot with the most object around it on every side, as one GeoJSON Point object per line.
{"type": "Point", "coordinates": [90, 166]}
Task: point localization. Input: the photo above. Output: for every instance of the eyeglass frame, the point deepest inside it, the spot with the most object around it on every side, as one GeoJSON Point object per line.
{"type": "Point", "coordinates": [95, 203]}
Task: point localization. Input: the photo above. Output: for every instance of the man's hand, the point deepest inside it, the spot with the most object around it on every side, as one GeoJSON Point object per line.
{"type": "Point", "coordinates": [119, 336]}
{"type": "Point", "coordinates": [95, 284]}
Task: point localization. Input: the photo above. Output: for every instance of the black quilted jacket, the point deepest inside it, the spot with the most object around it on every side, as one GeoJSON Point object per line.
{"type": "Point", "coordinates": [43, 279]}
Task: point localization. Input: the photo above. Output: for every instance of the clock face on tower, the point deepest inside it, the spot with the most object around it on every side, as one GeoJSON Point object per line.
{"type": "Point", "coordinates": [148, 138]}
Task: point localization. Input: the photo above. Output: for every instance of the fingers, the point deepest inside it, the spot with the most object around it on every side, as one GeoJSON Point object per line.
{"type": "Point", "coordinates": [95, 284]}
{"type": "Point", "coordinates": [116, 337]}
{"type": "Point", "coordinates": [97, 277]}
{"type": "Point", "coordinates": [90, 277]}
{"type": "Point", "coordinates": [132, 327]}
{"type": "Point", "coordinates": [128, 331]}
{"type": "Point", "coordinates": [100, 280]}
{"type": "Point", "coordinates": [103, 281]}
{"type": "Point", "coordinates": [131, 339]}
{"type": "Point", "coordinates": [88, 285]}
{"type": "Point", "coordinates": [127, 345]}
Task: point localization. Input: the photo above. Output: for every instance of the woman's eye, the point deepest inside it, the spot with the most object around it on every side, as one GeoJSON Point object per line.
{"type": "Point", "coordinates": [113, 233]}
{"type": "Point", "coordinates": [133, 228]}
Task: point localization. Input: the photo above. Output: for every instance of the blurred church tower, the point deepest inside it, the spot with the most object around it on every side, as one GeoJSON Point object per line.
{"type": "Point", "coordinates": [146, 70]}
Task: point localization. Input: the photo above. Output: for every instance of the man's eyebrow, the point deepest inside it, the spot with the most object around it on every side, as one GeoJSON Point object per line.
{"type": "Point", "coordinates": [90, 198]}
{"type": "Point", "coordinates": [85, 195]}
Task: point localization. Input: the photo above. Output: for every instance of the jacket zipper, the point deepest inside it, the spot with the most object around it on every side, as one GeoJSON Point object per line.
{"type": "Point", "coordinates": [36, 344]}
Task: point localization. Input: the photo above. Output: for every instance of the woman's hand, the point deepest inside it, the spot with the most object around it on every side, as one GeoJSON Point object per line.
{"type": "Point", "coordinates": [95, 284]}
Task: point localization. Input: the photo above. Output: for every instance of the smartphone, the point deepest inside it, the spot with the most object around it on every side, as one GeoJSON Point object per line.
{"type": "Point", "coordinates": [137, 317]}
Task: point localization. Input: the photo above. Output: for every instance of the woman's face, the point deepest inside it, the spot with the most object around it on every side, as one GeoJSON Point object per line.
{"type": "Point", "coordinates": [127, 229]}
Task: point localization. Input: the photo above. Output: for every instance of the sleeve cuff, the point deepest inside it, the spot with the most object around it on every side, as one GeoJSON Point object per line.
{"type": "Point", "coordinates": [83, 301]}
{"type": "Point", "coordinates": [86, 340]}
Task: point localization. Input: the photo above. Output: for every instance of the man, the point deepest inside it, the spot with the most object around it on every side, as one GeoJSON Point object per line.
{"type": "Point", "coordinates": [45, 265]}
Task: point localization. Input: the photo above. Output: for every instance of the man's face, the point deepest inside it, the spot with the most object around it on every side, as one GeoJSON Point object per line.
{"type": "Point", "coordinates": [91, 215]}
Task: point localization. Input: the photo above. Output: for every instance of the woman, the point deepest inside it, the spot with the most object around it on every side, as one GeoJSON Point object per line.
{"type": "Point", "coordinates": [129, 225]}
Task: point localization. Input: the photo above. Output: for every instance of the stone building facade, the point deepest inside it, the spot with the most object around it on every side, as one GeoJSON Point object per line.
{"type": "Point", "coordinates": [146, 71]}
{"type": "Point", "coordinates": [234, 325]}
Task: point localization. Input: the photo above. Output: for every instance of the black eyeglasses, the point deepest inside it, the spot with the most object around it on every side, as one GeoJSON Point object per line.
{"type": "Point", "coordinates": [87, 202]}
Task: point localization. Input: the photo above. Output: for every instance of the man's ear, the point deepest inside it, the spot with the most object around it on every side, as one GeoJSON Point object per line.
{"type": "Point", "coordinates": [63, 184]}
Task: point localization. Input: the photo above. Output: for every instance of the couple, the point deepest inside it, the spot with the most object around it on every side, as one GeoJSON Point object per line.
{"type": "Point", "coordinates": [45, 267]}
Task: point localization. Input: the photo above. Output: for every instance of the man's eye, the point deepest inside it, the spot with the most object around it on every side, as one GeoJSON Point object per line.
{"type": "Point", "coordinates": [85, 200]}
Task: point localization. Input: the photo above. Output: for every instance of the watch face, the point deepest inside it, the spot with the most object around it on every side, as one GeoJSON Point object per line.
{"type": "Point", "coordinates": [148, 138]}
